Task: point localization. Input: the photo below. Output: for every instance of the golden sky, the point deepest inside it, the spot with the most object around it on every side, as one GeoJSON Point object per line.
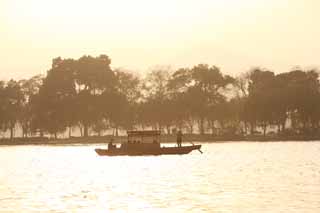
{"type": "Point", "coordinates": [139, 34]}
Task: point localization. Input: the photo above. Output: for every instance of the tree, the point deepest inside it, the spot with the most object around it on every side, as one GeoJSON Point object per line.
{"type": "Point", "coordinates": [300, 98]}
{"type": "Point", "coordinates": [261, 103]}
{"type": "Point", "coordinates": [77, 99]}
{"type": "Point", "coordinates": [2, 106]}
{"type": "Point", "coordinates": [128, 93]}
{"type": "Point", "coordinates": [155, 107]}
{"type": "Point", "coordinates": [12, 99]}
{"type": "Point", "coordinates": [55, 104]}
{"type": "Point", "coordinates": [93, 76]}
{"type": "Point", "coordinates": [29, 87]}
{"type": "Point", "coordinates": [207, 90]}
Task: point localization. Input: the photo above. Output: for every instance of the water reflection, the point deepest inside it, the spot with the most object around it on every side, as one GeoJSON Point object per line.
{"type": "Point", "coordinates": [235, 177]}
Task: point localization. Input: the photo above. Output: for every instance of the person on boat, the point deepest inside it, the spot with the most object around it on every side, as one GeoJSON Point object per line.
{"type": "Point", "coordinates": [179, 138]}
{"type": "Point", "coordinates": [110, 145]}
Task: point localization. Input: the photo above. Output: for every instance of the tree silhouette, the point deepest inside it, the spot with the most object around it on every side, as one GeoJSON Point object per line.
{"type": "Point", "coordinates": [88, 94]}
{"type": "Point", "coordinates": [11, 105]}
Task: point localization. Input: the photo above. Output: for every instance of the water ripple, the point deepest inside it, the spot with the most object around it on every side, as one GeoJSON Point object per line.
{"type": "Point", "coordinates": [228, 177]}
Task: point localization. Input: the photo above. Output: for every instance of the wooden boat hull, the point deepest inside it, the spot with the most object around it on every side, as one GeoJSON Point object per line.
{"type": "Point", "coordinates": [158, 151]}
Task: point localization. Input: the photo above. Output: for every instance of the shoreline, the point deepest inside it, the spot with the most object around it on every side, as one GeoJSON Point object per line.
{"type": "Point", "coordinates": [164, 139]}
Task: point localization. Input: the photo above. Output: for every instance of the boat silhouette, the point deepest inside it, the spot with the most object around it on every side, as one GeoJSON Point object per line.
{"type": "Point", "coordinates": [145, 143]}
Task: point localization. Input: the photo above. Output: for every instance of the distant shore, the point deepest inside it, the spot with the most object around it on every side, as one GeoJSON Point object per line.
{"type": "Point", "coordinates": [164, 139]}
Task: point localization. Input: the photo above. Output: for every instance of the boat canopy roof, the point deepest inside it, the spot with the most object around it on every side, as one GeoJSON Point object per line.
{"type": "Point", "coordinates": [143, 133]}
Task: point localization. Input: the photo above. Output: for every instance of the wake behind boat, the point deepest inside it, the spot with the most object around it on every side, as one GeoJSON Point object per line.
{"type": "Point", "coordinates": [145, 143]}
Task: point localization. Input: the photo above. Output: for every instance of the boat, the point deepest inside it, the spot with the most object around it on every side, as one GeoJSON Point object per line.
{"type": "Point", "coordinates": [145, 142]}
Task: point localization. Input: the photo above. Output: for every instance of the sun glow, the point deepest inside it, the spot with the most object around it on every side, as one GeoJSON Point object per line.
{"type": "Point", "coordinates": [143, 33]}
{"type": "Point", "coordinates": [119, 17]}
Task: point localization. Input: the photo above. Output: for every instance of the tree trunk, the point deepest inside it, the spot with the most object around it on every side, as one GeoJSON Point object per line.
{"type": "Point", "coordinates": [80, 129]}
{"type": "Point", "coordinates": [213, 129]}
{"type": "Point", "coordinates": [283, 128]}
{"type": "Point", "coordinates": [117, 131]}
{"type": "Point", "coordinates": [252, 127]}
{"type": "Point", "coordinates": [85, 130]}
{"type": "Point", "coordinates": [264, 130]}
{"type": "Point", "coordinates": [279, 129]}
{"type": "Point", "coordinates": [168, 130]}
{"type": "Point", "coordinates": [201, 126]}
{"type": "Point", "coordinates": [190, 123]}
{"type": "Point", "coordinates": [11, 132]}
{"type": "Point", "coordinates": [70, 131]}
{"type": "Point", "coordinates": [245, 127]}
{"type": "Point", "coordinates": [23, 132]}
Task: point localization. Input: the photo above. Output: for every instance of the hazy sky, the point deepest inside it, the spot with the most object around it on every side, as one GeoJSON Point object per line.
{"type": "Point", "coordinates": [138, 34]}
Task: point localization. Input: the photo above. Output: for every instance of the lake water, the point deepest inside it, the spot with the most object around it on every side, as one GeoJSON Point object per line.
{"type": "Point", "coordinates": [227, 177]}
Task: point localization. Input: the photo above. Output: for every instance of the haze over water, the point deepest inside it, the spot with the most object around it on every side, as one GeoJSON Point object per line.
{"type": "Point", "coordinates": [228, 177]}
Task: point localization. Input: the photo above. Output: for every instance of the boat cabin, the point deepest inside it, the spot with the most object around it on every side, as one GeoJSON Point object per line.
{"type": "Point", "coordinates": [142, 139]}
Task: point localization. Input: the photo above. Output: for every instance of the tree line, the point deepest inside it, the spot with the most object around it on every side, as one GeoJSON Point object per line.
{"type": "Point", "coordinates": [86, 94]}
